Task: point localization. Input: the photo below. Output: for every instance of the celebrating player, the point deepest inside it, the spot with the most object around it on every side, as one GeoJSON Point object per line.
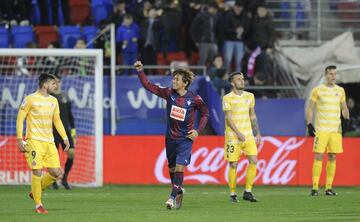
{"type": "Point", "coordinates": [181, 106]}
{"type": "Point", "coordinates": [67, 119]}
{"type": "Point", "coordinates": [240, 125]}
{"type": "Point", "coordinates": [329, 100]}
{"type": "Point", "coordinates": [41, 111]}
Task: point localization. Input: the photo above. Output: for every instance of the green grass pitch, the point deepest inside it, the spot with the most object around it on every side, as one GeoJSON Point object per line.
{"type": "Point", "coordinates": [201, 203]}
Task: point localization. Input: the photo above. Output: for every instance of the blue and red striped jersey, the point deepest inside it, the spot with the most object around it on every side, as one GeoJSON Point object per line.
{"type": "Point", "coordinates": [181, 110]}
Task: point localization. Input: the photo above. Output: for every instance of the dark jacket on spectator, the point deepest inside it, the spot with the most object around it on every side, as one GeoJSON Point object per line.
{"type": "Point", "coordinates": [156, 26]}
{"type": "Point", "coordinates": [201, 30]}
{"type": "Point", "coordinates": [232, 22]}
{"type": "Point", "coordinates": [264, 32]}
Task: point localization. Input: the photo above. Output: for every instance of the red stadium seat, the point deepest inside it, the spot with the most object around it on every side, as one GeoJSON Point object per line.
{"type": "Point", "coordinates": [79, 12]}
{"type": "Point", "coordinates": [46, 35]}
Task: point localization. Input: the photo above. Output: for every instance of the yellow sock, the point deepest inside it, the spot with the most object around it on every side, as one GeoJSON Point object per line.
{"type": "Point", "coordinates": [232, 179]}
{"type": "Point", "coordinates": [250, 176]}
{"type": "Point", "coordinates": [330, 173]}
{"type": "Point", "coordinates": [316, 172]}
{"type": "Point", "coordinates": [36, 188]}
{"type": "Point", "coordinates": [47, 180]}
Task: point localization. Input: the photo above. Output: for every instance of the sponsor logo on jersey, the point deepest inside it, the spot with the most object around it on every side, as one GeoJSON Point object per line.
{"type": "Point", "coordinates": [177, 113]}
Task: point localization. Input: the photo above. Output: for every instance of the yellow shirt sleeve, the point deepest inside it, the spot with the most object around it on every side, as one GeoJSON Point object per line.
{"type": "Point", "coordinates": [343, 95]}
{"type": "Point", "coordinates": [57, 122]}
{"type": "Point", "coordinates": [252, 102]}
{"type": "Point", "coordinates": [314, 95]}
{"type": "Point", "coordinates": [23, 111]}
{"type": "Point", "coordinates": [226, 105]}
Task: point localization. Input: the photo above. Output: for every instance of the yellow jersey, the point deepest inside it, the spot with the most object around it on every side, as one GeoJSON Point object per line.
{"type": "Point", "coordinates": [40, 112]}
{"type": "Point", "coordinates": [240, 106]}
{"type": "Point", "coordinates": [328, 107]}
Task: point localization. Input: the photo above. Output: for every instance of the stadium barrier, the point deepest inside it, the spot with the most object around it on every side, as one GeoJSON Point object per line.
{"type": "Point", "coordinates": [142, 160]}
{"type": "Point", "coordinates": [282, 161]}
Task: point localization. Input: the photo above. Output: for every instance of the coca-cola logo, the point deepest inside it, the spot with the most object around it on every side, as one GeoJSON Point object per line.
{"type": "Point", "coordinates": [207, 163]}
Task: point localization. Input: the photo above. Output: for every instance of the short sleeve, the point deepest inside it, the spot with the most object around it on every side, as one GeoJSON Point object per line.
{"type": "Point", "coordinates": [314, 95]}
{"type": "Point", "coordinates": [343, 96]}
{"type": "Point", "coordinates": [226, 103]}
{"type": "Point", "coordinates": [26, 104]}
{"type": "Point", "coordinates": [252, 101]}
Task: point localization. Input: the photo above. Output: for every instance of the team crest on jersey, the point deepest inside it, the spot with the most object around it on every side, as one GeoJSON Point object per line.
{"type": "Point", "coordinates": [64, 100]}
{"type": "Point", "coordinates": [177, 113]}
{"type": "Point", "coordinates": [188, 102]}
{"type": "Point", "coordinates": [34, 163]}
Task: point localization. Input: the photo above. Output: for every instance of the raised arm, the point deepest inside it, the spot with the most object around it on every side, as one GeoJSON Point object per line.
{"type": "Point", "coordinates": [157, 90]}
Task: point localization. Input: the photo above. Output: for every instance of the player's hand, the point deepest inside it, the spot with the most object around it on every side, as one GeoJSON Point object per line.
{"type": "Point", "coordinates": [73, 135]}
{"type": "Point", "coordinates": [192, 134]}
{"type": "Point", "coordinates": [347, 125]}
{"type": "Point", "coordinates": [138, 66]}
{"type": "Point", "coordinates": [311, 130]}
{"type": "Point", "coordinates": [22, 145]}
{"type": "Point", "coordinates": [258, 139]}
{"type": "Point", "coordinates": [67, 145]}
{"type": "Point", "coordinates": [241, 137]}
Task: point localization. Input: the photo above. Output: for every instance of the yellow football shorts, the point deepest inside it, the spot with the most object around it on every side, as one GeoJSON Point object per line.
{"type": "Point", "coordinates": [233, 151]}
{"type": "Point", "coordinates": [41, 155]}
{"type": "Point", "coordinates": [331, 141]}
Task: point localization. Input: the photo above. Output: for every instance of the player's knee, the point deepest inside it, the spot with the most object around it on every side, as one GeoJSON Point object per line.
{"type": "Point", "coordinates": [57, 173]}
{"type": "Point", "coordinates": [37, 172]}
{"type": "Point", "coordinates": [319, 156]}
{"type": "Point", "coordinates": [331, 157]}
{"type": "Point", "coordinates": [233, 164]}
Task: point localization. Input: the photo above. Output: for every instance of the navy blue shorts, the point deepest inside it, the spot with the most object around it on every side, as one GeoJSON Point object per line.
{"type": "Point", "coordinates": [178, 151]}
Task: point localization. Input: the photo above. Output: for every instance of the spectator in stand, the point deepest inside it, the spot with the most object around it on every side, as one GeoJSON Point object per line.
{"type": "Point", "coordinates": [262, 79]}
{"type": "Point", "coordinates": [250, 6]}
{"type": "Point", "coordinates": [189, 10]}
{"type": "Point", "coordinates": [150, 39]}
{"type": "Point", "coordinates": [171, 20]}
{"type": "Point", "coordinates": [119, 11]}
{"type": "Point", "coordinates": [353, 128]}
{"type": "Point", "coordinates": [254, 61]}
{"type": "Point", "coordinates": [15, 12]}
{"type": "Point", "coordinates": [218, 76]}
{"type": "Point", "coordinates": [205, 32]}
{"type": "Point", "coordinates": [127, 37]}
{"type": "Point", "coordinates": [237, 25]}
{"type": "Point", "coordinates": [26, 64]}
{"type": "Point", "coordinates": [263, 29]}
{"type": "Point", "coordinates": [51, 64]}
{"type": "Point", "coordinates": [141, 12]}
{"type": "Point", "coordinates": [44, 12]}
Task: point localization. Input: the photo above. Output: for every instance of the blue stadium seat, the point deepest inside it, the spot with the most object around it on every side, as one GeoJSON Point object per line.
{"type": "Point", "coordinates": [69, 35]}
{"type": "Point", "coordinates": [21, 36]}
{"type": "Point", "coordinates": [4, 37]}
{"type": "Point", "coordinates": [101, 9]}
{"type": "Point", "coordinates": [89, 33]}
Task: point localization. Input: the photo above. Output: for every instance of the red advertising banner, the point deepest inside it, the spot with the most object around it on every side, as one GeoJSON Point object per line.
{"type": "Point", "coordinates": [281, 161]}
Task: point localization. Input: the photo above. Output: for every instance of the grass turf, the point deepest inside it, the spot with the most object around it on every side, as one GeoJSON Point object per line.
{"type": "Point", "coordinates": [201, 203]}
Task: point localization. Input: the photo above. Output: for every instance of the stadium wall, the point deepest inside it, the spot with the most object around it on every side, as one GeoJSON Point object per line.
{"type": "Point", "coordinates": [282, 161]}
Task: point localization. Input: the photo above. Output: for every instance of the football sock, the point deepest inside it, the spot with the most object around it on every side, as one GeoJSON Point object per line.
{"type": "Point", "coordinates": [172, 177]}
{"type": "Point", "coordinates": [316, 172]}
{"type": "Point", "coordinates": [47, 180]}
{"type": "Point", "coordinates": [232, 180]}
{"type": "Point", "coordinates": [250, 176]}
{"type": "Point", "coordinates": [68, 165]}
{"type": "Point", "coordinates": [36, 188]}
{"type": "Point", "coordinates": [178, 180]}
{"type": "Point", "coordinates": [330, 173]}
